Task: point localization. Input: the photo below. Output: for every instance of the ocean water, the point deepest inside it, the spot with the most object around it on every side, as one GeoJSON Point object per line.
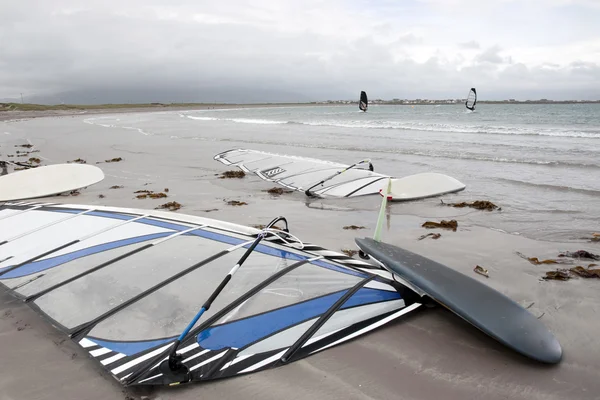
{"type": "Point", "coordinates": [539, 163]}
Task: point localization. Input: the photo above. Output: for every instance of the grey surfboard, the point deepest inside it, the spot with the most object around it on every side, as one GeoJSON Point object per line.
{"type": "Point", "coordinates": [480, 305]}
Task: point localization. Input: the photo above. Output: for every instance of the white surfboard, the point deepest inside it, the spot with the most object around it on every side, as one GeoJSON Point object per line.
{"type": "Point", "coordinates": [420, 186]}
{"type": "Point", "coordinates": [47, 181]}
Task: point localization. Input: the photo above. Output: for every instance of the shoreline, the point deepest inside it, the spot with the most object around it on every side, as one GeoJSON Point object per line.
{"type": "Point", "coordinates": [15, 111]}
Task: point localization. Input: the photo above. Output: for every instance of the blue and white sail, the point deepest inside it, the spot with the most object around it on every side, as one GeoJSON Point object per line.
{"type": "Point", "coordinates": [124, 283]}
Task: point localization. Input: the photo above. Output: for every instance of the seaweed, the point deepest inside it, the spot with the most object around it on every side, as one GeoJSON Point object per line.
{"type": "Point", "coordinates": [116, 187]}
{"type": "Point", "coordinates": [261, 227]}
{"type": "Point", "coordinates": [452, 224]}
{"type": "Point", "coordinates": [27, 146]}
{"type": "Point", "coordinates": [586, 273]}
{"type": "Point", "coordinates": [354, 227]}
{"type": "Point", "coordinates": [171, 206]}
{"type": "Point", "coordinates": [236, 203]}
{"type": "Point", "coordinates": [433, 236]}
{"type": "Point", "coordinates": [78, 161]}
{"type": "Point", "coordinates": [101, 196]}
{"type": "Point", "coordinates": [143, 191]}
{"type": "Point", "coordinates": [558, 275]}
{"type": "Point", "coordinates": [232, 174]}
{"type": "Point", "coordinates": [537, 261]}
{"type": "Point", "coordinates": [580, 254]}
{"type": "Point", "coordinates": [116, 159]}
{"type": "Point", "coordinates": [349, 253]}
{"type": "Point", "coordinates": [166, 190]}
{"type": "Point", "coordinates": [35, 160]}
{"type": "Point", "coordinates": [477, 204]}
{"type": "Point", "coordinates": [276, 191]}
{"type": "Point", "coordinates": [481, 271]}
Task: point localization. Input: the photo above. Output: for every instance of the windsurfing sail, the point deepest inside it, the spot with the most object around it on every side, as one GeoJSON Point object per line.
{"type": "Point", "coordinates": [363, 103]}
{"type": "Point", "coordinates": [302, 173]}
{"type": "Point", "coordinates": [471, 99]}
{"type": "Point", "coordinates": [328, 179]}
{"type": "Point", "coordinates": [125, 283]}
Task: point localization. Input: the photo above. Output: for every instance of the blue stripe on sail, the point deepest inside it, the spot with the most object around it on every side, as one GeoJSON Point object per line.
{"type": "Point", "coordinates": [130, 348]}
{"type": "Point", "coordinates": [241, 333]}
{"type": "Point", "coordinates": [246, 331]}
{"type": "Point", "coordinates": [42, 265]}
{"type": "Point", "coordinates": [177, 228]}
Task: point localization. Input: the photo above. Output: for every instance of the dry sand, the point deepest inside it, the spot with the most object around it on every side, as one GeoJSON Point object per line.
{"type": "Point", "coordinates": [431, 354]}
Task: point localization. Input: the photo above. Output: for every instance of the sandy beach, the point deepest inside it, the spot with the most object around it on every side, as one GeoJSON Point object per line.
{"type": "Point", "coordinates": [429, 355]}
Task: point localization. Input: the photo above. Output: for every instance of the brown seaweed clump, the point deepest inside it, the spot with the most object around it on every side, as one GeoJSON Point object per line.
{"type": "Point", "coordinates": [586, 272]}
{"type": "Point", "coordinates": [171, 206]}
{"type": "Point", "coordinates": [277, 191]}
{"type": "Point", "coordinates": [580, 254]}
{"type": "Point", "coordinates": [478, 204]}
{"type": "Point", "coordinates": [116, 187]}
{"type": "Point", "coordinates": [433, 236]}
{"type": "Point", "coordinates": [27, 146]}
{"type": "Point", "coordinates": [349, 253]}
{"type": "Point", "coordinates": [166, 190]}
{"type": "Point", "coordinates": [452, 224]}
{"type": "Point", "coordinates": [35, 160]}
{"type": "Point", "coordinates": [354, 227]}
{"type": "Point", "coordinates": [236, 203]}
{"type": "Point", "coordinates": [149, 194]}
{"type": "Point", "coordinates": [78, 161]}
{"type": "Point", "coordinates": [116, 159]}
{"type": "Point", "coordinates": [261, 227]}
{"type": "Point", "coordinates": [101, 196]}
{"type": "Point", "coordinates": [232, 174]}
{"type": "Point", "coordinates": [481, 271]}
{"type": "Point", "coordinates": [558, 275]}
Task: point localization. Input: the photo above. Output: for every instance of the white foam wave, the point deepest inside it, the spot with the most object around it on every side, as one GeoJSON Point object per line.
{"type": "Point", "coordinates": [91, 122]}
{"type": "Point", "coordinates": [441, 127]}
{"type": "Point", "coordinates": [241, 120]}
{"type": "Point", "coordinates": [419, 126]}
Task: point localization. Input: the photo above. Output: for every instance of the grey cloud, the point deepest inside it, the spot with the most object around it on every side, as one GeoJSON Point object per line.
{"type": "Point", "coordinates": [97, 54]}
{"type": "Point", "coordinates": [491, 55]}
{"type": "Point", "coordinates": [469, 45]}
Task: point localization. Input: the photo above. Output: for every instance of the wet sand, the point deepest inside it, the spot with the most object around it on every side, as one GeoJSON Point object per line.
{"type": "Point", "coordinates": [431, 354]}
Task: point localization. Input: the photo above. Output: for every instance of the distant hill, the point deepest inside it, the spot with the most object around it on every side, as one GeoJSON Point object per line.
{"type": "Point", "coordinates": [232, 95]}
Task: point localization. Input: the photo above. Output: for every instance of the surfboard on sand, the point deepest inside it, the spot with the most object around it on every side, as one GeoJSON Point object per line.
{"type": "Point", "coordinates": [47, 181]}
{"type": "Point", "coordinates": [423, 185]}
{"type": "Point", "coordinates": [485, 308]}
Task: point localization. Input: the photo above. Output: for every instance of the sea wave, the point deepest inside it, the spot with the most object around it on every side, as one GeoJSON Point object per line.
{"type": "Point", "coordinates": [240, 120]}
{"type": "Point", "coordinates": [559, 188]}
{"type": "Point", "coordinates": [421, 126]}
{"type": "Point", "coordinates": [432, 153]}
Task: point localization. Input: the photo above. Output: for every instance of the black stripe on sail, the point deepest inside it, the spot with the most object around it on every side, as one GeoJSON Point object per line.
{"type": "Point", "coordinates": [236, 368]}
{"type": "Point", "coordinates": [79, 330]}
{"type": "Point", "coordinates": [323, 319]}
{"type": "Point", "coordinates": [35, 258]}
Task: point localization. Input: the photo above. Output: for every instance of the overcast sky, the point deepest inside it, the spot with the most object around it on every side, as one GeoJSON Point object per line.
{"type": "Point", "coordinates": [305, 49]}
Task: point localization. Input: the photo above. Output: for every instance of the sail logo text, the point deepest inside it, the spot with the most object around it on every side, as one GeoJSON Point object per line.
{"type": "Point", "coordinates": [273, 171]}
